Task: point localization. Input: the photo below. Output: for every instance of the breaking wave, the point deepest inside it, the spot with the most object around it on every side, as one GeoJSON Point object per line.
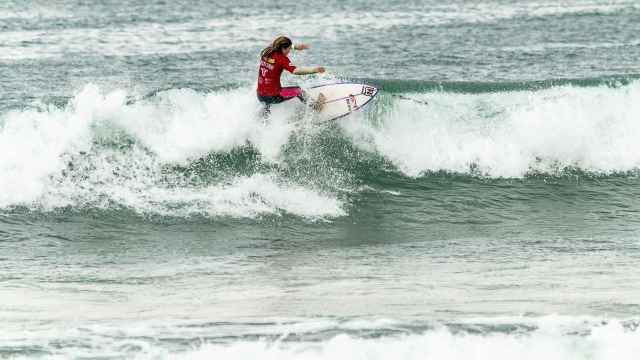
{"type": "Point", "coordinates": [182, 152]}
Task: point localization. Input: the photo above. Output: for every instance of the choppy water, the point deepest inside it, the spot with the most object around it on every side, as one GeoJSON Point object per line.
{"type": "Point", "coordinates": [147, 212]}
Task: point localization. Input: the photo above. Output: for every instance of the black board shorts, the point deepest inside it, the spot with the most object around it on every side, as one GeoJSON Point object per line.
{"type": "Point", "coordinates": [268, 100]}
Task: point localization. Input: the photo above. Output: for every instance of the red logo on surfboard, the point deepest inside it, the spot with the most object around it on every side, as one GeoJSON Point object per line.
{"type": "Point", "coordinates": [353, 102]}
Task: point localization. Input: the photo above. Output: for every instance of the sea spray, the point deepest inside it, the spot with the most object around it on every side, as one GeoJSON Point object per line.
{"type": "Point", "coordinates": [99, 151]}
{"type": "Point", "coordinates": [510, 134]}
{"type": "Point", "coordinates": [34, 144]}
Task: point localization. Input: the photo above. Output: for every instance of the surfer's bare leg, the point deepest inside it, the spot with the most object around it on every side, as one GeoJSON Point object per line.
{"type": "Point", "coordinates": [316, 105]}
{"type": "Point", "coordinates": [265, 111]}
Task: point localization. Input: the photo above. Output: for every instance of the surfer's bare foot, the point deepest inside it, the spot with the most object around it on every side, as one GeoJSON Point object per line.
{"type": "Point", "coordinates": [319, 103]}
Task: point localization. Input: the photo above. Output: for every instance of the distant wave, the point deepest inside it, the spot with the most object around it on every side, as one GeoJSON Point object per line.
{"type": "Point", "coordinates": [552, 337]}
{"type": "Point", "coordinates": [36, 32]}
{"type": "Point", "coordinates": [550, 341]}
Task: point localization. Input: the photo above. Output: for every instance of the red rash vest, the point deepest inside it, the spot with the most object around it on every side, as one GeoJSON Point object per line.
{"type": "Point", "coordinates": [269, 74]}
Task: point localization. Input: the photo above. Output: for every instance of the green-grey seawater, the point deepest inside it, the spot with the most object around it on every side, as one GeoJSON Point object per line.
{"type": "Point", "coordinates": [147, 211]}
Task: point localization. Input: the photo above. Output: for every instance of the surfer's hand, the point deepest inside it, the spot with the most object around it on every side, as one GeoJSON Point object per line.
{"type": "Point", "coordinates": [319, 69]}
{"type": "Point", "coordinates": [301, 46]}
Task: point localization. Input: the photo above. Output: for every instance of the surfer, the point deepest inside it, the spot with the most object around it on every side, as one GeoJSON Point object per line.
{"type": "Point", "coordinates": [273, 60]}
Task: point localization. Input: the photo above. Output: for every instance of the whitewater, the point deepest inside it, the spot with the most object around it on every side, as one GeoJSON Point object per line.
{"type": "Point", "coordinates": [128, 153]}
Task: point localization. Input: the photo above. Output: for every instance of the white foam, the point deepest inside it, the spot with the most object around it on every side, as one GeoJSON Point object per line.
{"type": "Point", "coordinates": [611, 341]}
{"type": "Point", "coordinates": [34, 144]}
{"type": "Point", "coordinates": [242, 197]}
{"type": "Point", "coordinates": [175, 127]}
{"type": "Point", "coordinates": [510, 134]}
{"type": "Point", "coordinates": [608, 342]}
{"type": "Point", "coordinates": [39, 13]}
{"type": "Point", "coordinates": [548, 338]}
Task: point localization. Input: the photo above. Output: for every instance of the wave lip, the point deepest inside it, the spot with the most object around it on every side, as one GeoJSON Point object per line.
{"type": "Point", "coordinates": [34, 144]}
{"type": "Point", "coordinates": [509, 134]}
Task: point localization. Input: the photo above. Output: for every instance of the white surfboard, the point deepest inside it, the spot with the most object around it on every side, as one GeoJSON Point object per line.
{"type": "Point", "coordinates": [341, 99]}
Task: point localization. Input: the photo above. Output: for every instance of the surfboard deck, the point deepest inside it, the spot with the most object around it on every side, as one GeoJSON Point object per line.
{"type": "Point", "coordinates": [341, 99]}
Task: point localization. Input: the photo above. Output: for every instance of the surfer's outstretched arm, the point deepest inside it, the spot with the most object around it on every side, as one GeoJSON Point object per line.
{"type": "Point", "coordinates": [306, 70]}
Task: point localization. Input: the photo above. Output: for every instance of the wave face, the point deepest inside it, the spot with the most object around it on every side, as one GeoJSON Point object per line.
{"type": "Point", "coordinates": [181, 152]}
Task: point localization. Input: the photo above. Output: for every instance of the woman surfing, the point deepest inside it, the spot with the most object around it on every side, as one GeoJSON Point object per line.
{"type": "Point", "coordinates": [273, 60]}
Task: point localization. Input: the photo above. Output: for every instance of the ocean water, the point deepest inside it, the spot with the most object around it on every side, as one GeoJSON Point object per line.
{"type": "Point", "coordinates": [148, 212]}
